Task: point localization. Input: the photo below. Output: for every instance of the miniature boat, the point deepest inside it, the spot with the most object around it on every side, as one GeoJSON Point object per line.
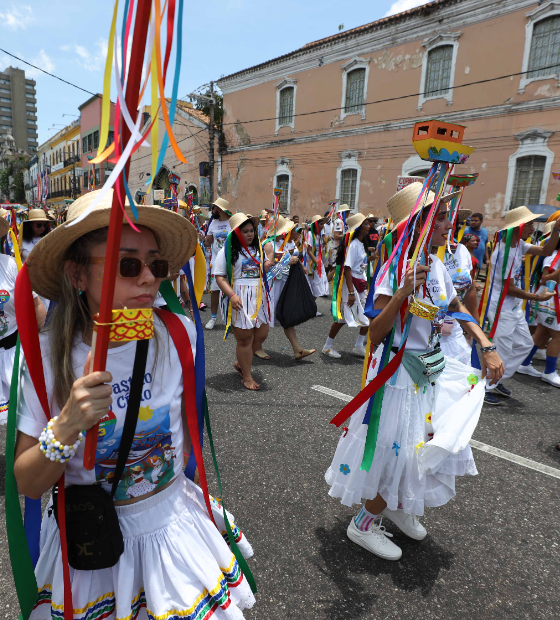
{"type": "Point", "coordinates": [440, 142]}
{"type": "Point", "coordinates": [462, 180]}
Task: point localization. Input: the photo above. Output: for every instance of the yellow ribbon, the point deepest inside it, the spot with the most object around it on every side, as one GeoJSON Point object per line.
{"type": "Point", "coordinates": [461, 232]}
{"type": "Point", "coordinates": [16, 249]}
{"type": "Point", "coordinates": [366, 360]}
{"type": "Point", "coordinates": [199, 273]}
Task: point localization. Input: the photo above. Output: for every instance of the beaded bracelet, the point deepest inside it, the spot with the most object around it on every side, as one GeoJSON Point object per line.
{"type": "Point", "coordinates": [55, 450]}
{"type": "Point", "coordinates": [488, 349]}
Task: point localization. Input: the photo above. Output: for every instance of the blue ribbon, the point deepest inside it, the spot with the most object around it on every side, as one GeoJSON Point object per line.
{"type": "Point", "coordinates": [32, 526]}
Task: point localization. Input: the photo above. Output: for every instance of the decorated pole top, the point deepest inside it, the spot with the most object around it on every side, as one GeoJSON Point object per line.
{"type": "Point", "coordinates": [439, 141]}
{"type": "Point", "coordinates": [462, 180]}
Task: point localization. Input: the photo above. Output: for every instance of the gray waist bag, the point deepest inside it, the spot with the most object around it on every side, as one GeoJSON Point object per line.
{"type": "Point", "coordinates": [424, 368]}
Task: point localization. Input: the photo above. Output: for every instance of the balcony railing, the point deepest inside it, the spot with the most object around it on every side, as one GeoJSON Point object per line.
{"type": "Point", "coordinates": [72, 159]}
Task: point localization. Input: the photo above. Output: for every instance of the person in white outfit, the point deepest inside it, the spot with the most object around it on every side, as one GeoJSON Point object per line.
{"type": "Point", "coordinates": [512, 337]}
{"type": "Point", "coordinates": [317, 258]}
{"type": "Point", "coordinates": [353, 261]}
{"type": "Point", "coordinates": [428, 408]}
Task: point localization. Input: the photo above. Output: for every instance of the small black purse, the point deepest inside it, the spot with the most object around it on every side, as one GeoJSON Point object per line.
{"type": "Point", "coordinates": [93, 534]}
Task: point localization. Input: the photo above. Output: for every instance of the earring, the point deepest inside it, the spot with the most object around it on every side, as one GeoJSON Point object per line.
{"type": "Point", "coordinates": [79, 291]}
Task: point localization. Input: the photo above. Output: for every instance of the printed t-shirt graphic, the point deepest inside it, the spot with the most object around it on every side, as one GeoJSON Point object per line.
{"type": "Point", "coordinates": [459, 267]}
{"type": "Point", "coordinates": [249, 269]}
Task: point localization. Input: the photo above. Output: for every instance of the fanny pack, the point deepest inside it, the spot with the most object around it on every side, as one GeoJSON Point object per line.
{"type": "Point", "coordinates": [359, 284]}
{"type": "Point", "coordinates": [93, 534]}
{"type": "Point", "coordinates": [424, 368]}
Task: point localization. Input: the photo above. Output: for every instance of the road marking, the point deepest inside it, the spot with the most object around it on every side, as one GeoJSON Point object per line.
{"type": "Point", "coordinates": [507, 456]}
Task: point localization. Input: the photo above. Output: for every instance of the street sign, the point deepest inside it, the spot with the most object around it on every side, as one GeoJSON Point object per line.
{"type": "Point", "coordinates": [402, 182]}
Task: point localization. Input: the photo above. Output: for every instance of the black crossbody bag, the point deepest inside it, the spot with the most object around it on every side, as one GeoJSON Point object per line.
{"type": "Point", "coordinates": [93, 534]}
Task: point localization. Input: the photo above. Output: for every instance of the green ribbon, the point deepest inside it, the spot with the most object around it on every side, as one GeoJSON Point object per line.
{"type": "Point", "coordinates": [509, 235]}
{"type": "Point", "coordinates": [20, 558]}
{"type": "Point", "coordinates": [336, 283]}
{"type": "Point", "coordinates": [167, 292]}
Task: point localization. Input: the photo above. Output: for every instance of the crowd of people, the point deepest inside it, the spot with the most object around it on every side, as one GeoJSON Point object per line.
{"type": "Point", "coordinates": [435, 344]}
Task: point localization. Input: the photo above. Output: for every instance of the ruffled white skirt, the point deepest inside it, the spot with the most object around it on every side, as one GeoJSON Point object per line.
{"type": "Point", "coordinates": [353, 315]}
{"type": "Point", "coordinates": [175, 565]}
{"type": "Point", "coordinates": [276, 291]}
{"type": "Point", "coordinates": [248, 292]}
{"type": "Point", "coordinates": [318, 283]}
{"type": "Point", "coordinates": [7, 357]}
{"type": "Point", "coordinates": [546, 312]}
{"type": "Point", "coordinates": [422, 442]}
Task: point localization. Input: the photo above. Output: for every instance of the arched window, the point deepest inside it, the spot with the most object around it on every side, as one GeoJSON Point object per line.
{"type": "Point", "coordinates": [544, 57]}
{"type": "Point", "coordinates": [355, 82]}
{"type": "Point", "coordinates": [438, 71]}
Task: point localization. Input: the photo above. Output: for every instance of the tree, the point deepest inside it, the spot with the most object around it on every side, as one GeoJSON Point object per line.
{"type": "Point", "coordinates": [204, 106]}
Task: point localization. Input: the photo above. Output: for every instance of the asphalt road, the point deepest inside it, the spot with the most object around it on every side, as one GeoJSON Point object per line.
{"type": "Point", "coordinates": [492, 552]}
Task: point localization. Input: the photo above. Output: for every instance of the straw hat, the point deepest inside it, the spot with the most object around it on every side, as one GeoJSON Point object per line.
{"type": "Point", "coordinates": [37, 215]}
{"type": "Point", "coordinates": [236, 220]}
{"type": "Point", "coordinates": [400, 205]}
{"type": "Point", "coordinates": [264, 213]}
{"type": "Point", "coordinates": [284, 226]}
{"type": "Point", "coordinates": [175, 235]}
{"type": "Point", "coordinates": [554, 216]}
{"type": "Point", "coordinates": [4, 226]}
{"type": "Point", "coordinates": [342, 208]}
{"type": "Point", "coordinates": [463, 214]}
{"type": "Point", "coordinates": [317, 218]}
{"type": "Point", "coordinates": [355, 221]}
{"type": "Point", "coordinates": [223, 205]}
{"type": "Point", "coordinates": [518, 216]}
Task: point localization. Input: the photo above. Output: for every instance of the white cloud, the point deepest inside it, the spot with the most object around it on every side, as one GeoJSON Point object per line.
{"type": "Point", "coordinates": [41, 60]}
{"type": "Point", "coordinates": [404, 5]}
{"type": "Point", "coordinates": [89, 59]}
{"type": "Point", "coordinates": [17, 18]}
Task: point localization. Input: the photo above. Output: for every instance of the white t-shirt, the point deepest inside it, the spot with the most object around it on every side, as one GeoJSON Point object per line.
{"type": "Point", "coordinates": [549, 260]}
{"type": "Point", "coordinates": [515, 254]}
{"type": "Point", "coordinates": [423, 334]}
{"type": "Point", "coordinates": [219, 230]}
{"type": "Point", "coordinates": [156, 456]}
{"type": "Point", "coordinates": [245, 270]}
{"type": "Point", "coordinates": [27, 246]}
{"type": "Point", "coordinates": [8, 275]}
{"type": "Point", "coordinates": [356, 259]}
{"type": "Point", "coordinates": [459, 267]}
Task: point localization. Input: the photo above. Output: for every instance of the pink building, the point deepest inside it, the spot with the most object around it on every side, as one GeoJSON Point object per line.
{"type": "Point", "coordinates": [343, 109]}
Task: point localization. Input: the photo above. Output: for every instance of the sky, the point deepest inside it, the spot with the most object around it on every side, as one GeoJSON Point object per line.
{"type": "Point", "coordinates": [69, 39]}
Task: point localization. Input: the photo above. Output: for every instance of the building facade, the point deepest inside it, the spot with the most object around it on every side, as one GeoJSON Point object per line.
{"type": "Point", "coordinates": [190, 129]}
{"type": "Point", "coordinates": [63, 159]}
{"type": "Point", "coordinates": [340, 111]}
{"type": "Point", "coordinates": [18, 109]}
{"type": "Point", "coordinates": [90, 127]}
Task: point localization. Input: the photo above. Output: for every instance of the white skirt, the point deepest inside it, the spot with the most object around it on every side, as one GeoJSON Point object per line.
{"type": "Point", "coordinates": [353, 315]}
{"type": "Point", "coordinates": [7, 357]}
{"type": "Point", "coordinates": [455, 345]}
{"type": "Point", "coordinates": [422, 442]}
{"type": "Point", "coordinates": [175, 565]}
{"type": "Point", "coordinates": [276, 291]}
{"type": "Point", "coordinates": [546, 312]}
{"type": "Point", "coordinates": [248, 292]}
{"type": "Point", "coordinates": [318, 283]}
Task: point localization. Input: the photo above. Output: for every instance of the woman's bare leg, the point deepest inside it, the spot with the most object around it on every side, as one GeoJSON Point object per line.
{"type": "Point", "coordinates": [244, 352]}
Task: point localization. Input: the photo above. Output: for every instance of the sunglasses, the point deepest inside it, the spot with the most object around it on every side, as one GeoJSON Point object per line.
{"type": "Point", "coordinates": [132, 267]}
{"type": "Point", "coordinates": [39, 224]}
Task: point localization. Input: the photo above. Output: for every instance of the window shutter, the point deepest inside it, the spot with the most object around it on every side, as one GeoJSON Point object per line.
{"type": "Point", "coordinates": [283, 183]}
{"type": "Point", "coordinates": [545, 48]}
{"type": "Point", "coordinates": [348, 182]}
{"type": "Point", "coordinates": [286, 106]}
{"type": "Point", "coordinates": [355, 81]}
{"type": "Point", "coordinates": [527, 185]}
{"type": "Point", "coordinates": [438, 71]}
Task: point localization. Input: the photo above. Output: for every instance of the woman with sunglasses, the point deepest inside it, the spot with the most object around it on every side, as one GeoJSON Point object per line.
{"type": "Point", "coordinates": [33, 229]}
{"type": "Point", "coordinates": [240, 269]}
{"type": "Point", "coordinates": [175, 561]}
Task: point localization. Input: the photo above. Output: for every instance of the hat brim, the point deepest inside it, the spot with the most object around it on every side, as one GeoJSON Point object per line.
{"type": "Point", "coordinates": [4, 227]}
{"type": "Point", "coordinates": [175, 235]}
{"type": "Point", "coordinates": [522, 220]}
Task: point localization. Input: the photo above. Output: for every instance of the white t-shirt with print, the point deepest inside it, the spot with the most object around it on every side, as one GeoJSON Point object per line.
{"type": "Point", "coordinates": [423, 334]}
{"type": "Point", "coordinates": [356, 259]}
{"type": "Point", "coordinates": [8, 275]}
{"type": "Point", "coordinates": [515, 258]}
{"type": "Point", "coordinates": [219, 230]}
{"type": "Point", "coordinates": [459, 267]}
{"type": "Point", "coordinates": [156, 456]}
{"type": "Point", "coordinates": [245, 270]}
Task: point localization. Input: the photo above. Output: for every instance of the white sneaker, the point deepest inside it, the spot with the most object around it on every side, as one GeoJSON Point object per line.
{"type": "Point", "coordinates": [210, 324]}
{"type": "Point", "coordinates": [360, 351]}
{"type": "Point", "coordinates": [552, 378]}
{"type": "Point", "coordinates": [540, 355]}
{"type": "Point", "coordinates": [331, 353]}
{"type": "Point", "coordinates": [319, 313]}
{"type": "Point", "coordinates": [529, 370]}
{"type": "Point", "coordinates": [406, 523]}
{"type": "Point", "coordinates": [375, 540]}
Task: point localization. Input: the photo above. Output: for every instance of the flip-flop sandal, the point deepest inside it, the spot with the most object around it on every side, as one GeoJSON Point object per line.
{"type": "Point", "coordinates": [251, 389]}
{"type": "Point", "coordinates": [262, 357]}
{"type": "Point", "coordinates": [238, 370]}
{"type": "Point", "coordinates": [305, 353]}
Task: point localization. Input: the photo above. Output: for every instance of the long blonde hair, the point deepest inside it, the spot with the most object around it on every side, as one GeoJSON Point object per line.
{"type": "Point", "coordinates": [71, 317]}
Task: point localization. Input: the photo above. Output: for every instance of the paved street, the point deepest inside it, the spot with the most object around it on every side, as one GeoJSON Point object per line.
{"type": "Point", "coordinates": [492, 552]}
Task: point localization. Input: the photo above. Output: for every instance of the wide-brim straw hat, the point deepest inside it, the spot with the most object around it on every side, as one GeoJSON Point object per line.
{"type": "Point", "coordinates": [283, 227]}
{"type": "Point", "coordinates": [222, 204]}
{"type": "Point", "coordinates": [264, 213]}
{"type": "Point", "coordinates": [317, 218]}
{"type": "Point", "coordinates": [401, 204]}
{"type": "Point", "coordinates": [518, 216]}
{"type": "Point", "coordinates": [175, 235]}
{"type": "Point", "coordinates": [236, 220]}
{"type": "Point", "coordinates": [547, 228]}
{"type": "Point", "coordinates": [463, 214]}
{"type": "Point", "coordinates": [343, 208]}
{"type": "Point", "coordinates": [355, 221]}
{"type": "Point", "coordinates": [4, 226]}
{"type": "Point", "coordinates": [37, 215]}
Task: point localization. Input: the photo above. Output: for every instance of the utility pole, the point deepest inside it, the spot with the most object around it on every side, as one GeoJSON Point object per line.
{"type": "Point", "coordinates": [211, 142]}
